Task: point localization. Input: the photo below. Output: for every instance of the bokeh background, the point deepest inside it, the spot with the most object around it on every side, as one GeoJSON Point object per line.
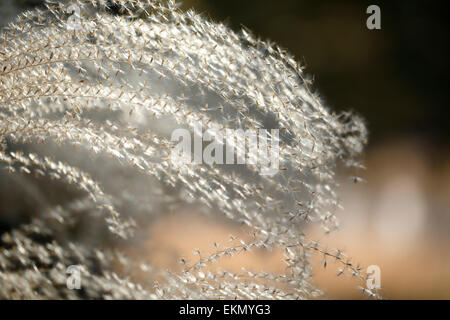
{"type": "Point", "coordinates": [397, 79]}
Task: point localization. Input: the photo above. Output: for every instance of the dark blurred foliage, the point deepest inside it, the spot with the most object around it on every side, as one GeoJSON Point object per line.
{"type": "Point", "coordinates": [395, 77]}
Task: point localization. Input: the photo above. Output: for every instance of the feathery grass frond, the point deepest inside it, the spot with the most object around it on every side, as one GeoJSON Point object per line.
{"type": "Point", "coordinates": [107, 93]}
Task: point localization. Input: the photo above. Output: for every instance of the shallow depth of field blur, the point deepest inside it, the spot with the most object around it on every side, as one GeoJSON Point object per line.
{"type": "Point", "coordinates": [399, 219]}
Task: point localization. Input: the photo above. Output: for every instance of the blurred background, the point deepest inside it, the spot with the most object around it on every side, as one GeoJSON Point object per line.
{"type": "Point", "coordinates": [396, 78]}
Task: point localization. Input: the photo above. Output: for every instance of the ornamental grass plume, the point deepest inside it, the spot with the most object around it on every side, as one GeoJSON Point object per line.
{"type": "Point", "coordinates": [90, 91]}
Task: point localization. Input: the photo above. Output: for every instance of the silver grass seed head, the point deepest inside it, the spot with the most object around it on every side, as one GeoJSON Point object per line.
{"type": "Point", "coordinates": [90, 92]}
